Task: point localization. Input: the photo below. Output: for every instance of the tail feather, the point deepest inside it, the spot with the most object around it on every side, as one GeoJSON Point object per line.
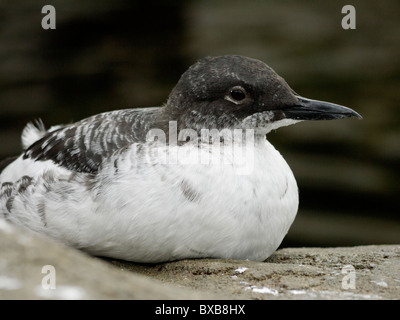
{"type": "Point", "coordinates": [34, 132]}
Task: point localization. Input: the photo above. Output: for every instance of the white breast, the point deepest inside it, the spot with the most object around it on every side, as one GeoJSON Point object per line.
{"type": "Point", "coordinates": [143, 208]}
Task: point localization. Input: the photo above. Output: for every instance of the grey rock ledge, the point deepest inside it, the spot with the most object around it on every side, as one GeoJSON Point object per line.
{"type": "Point", "coordinates": [364, 272]}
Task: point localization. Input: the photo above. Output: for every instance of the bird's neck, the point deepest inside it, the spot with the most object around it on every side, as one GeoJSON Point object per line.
{"type": "Point", "coordinates": [180, 132]}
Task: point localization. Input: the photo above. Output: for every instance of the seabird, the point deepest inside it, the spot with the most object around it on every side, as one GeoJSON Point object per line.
{"type": "Point", "coordinates": [167, 183]}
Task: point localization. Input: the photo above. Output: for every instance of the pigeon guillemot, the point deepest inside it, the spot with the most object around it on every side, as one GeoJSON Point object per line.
{"type": "Point", "coordinates": [129, 184]}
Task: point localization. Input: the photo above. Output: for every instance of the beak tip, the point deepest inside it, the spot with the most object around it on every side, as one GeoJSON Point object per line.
{"type": "Point", "coordinates": [357, 115]}
{"type": "Point", "coordinates": [310, 109]}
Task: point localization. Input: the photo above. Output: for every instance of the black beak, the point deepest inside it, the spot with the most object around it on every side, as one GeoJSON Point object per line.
{"type": "Point", "coordinates": [307, 109]}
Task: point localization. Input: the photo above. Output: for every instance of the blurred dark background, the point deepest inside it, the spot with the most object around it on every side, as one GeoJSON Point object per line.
{"type": "Point", "coordinates": [107, 55]}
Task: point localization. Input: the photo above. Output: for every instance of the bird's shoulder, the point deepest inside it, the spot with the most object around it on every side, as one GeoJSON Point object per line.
{"type": "Point", "coordinates": [84, 145]}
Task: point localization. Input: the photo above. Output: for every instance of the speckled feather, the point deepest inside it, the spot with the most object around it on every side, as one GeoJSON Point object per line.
{"type": "Point", "coordinates": [83, 146]}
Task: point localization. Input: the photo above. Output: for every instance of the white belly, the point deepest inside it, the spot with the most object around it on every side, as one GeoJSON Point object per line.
{"type": "Point", "coordinates": [158, 212]}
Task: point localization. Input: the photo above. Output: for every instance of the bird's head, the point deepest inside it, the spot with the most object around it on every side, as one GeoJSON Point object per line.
{"type": "Point", "coordinates": [238, 92]}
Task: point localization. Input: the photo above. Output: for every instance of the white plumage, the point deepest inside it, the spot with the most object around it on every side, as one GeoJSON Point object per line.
{"type": "Point", "coordinates": [148, 211]}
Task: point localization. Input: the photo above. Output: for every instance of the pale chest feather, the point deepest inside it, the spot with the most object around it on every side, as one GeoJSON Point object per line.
{"type": "Point", "coordinates": [143, 208]}
{"type": "Point", "coordinates": [200, 210]}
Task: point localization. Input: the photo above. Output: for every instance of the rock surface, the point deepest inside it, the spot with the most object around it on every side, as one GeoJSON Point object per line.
{"type": "Point", "coordinates": [366, 272]}
{"type": "Point", "coordinates": [77, 275]}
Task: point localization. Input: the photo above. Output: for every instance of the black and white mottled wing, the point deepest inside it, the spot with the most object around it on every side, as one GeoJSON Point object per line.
{"type": "Point", "coordinates": [84, 145]}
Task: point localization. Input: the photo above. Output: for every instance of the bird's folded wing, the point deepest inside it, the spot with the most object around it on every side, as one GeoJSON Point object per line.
{"type": "Point", "coordinates": [84, 145]}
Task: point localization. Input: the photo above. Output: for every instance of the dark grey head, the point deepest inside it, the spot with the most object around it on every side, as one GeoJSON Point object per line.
{"type": "Point", "coordinates": [234, 91]}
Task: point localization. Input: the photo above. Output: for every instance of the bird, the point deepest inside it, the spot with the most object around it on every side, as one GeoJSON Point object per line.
{"type": "Point", "coordinates": [193, 178]}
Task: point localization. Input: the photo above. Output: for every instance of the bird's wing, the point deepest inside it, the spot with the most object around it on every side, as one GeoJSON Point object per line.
{"type": "Point", "coordinates": [84, 145]}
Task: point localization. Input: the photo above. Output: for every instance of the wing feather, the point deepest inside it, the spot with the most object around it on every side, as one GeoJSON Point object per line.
{"type": "Point", "coordinates": [84, 145]}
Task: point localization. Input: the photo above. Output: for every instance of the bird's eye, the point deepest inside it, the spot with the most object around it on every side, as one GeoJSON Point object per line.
{"type": "Point", "coordinates": [236, 95]}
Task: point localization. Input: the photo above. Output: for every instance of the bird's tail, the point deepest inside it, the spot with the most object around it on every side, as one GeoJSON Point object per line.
{"type": "Point", "coordinates": [34, 132]}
